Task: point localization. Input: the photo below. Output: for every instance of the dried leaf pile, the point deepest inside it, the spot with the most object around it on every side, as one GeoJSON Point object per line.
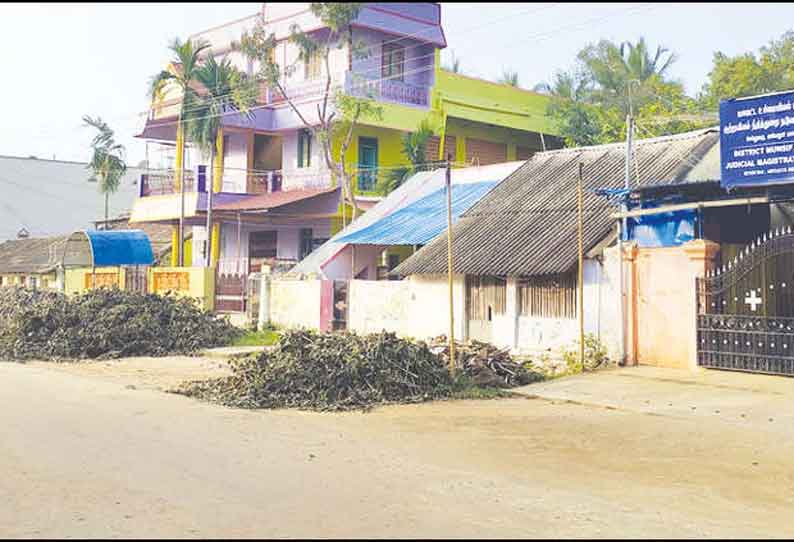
{"type": "Point", "coordinates": [485, 364]}
{"type": "Point", "coordinates": [347, 371]}
{"type": "Point", "coordinates": [104, 323]}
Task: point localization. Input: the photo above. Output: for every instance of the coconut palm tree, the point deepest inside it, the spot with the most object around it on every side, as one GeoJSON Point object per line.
{"type": "Point", "coordinates": [226, 90]}
{"type": "Point", "coordinates": [509, 78]}
{"type": "Point", "coordinates": [639, 64]}
{"type": "Point", "coordinates": [107, 163]}
{"type": "Point", "coordinates": [454, 64]}
{"type": "Point", "coordinates": [414, 148]}
{"type": "Point", "coordinates": [186, 60]}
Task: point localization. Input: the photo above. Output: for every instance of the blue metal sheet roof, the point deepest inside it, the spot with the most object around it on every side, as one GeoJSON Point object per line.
{"type": "Point", "coordinates": [120, 247]}
{"type": "Point", "coordinates": [422, 220]}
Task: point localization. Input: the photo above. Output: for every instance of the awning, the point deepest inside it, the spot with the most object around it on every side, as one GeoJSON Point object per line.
{"type": "Point", "coordinates": [421, 221]}
{"type": "Point", "coordinates": [269, 200]}
{"type": "Point", "coordinates": [166, 207]}
{"type": "Point", "coordinates": [99, 248]}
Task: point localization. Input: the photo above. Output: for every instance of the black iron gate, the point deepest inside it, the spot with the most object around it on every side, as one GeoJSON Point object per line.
{"type": "Point", "coordinates": [745, 319]}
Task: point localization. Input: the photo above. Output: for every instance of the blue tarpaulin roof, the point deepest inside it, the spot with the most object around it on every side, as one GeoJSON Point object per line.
{"type": "Point", "coordinates": [422, 220]}
{"type": "Point", "coordinates": [120, 247]}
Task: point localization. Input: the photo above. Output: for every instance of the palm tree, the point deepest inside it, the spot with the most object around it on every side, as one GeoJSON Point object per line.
{"type": "Point", "coordinates": [640, 65]}
{"type": "Point", "coordinates": [228, 90]}
{"type": "Point", "coordinates": [571, 85]}
{"type": "Point", "coordinates": [107, 163]}
{"type": "Point", "coordinates": [454, 64]}
{"type": "Point", "coordinates": [509, 78]}
{"type": "Point", "coordinates": [182, 74]}
{"type": "Point", "coordinates": [415, 149]}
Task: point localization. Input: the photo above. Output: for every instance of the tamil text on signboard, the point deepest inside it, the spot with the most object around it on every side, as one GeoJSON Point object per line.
{"type": "Point", "coordinates": [757, 140]}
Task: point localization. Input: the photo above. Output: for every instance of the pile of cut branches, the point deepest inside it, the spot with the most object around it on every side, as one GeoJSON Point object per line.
{"type": "Point", "coordinates": [485, 364]}
{"type": "Point", "coordinates": [331, 371]}
{"type": "Point", "coordinates": [104, 323]}
{"type": "Point", "coordinates": [346, 371]}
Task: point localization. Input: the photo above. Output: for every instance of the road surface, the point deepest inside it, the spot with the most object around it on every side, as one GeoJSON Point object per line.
{"type": "Point", "coordinates": [97, 450]}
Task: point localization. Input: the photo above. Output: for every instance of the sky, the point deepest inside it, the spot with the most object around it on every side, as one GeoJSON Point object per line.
{"type": "Point", "coordinates": [68, 60]}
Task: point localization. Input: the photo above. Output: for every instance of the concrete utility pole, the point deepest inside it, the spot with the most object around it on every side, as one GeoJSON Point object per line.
{"type": "Point", "coordinates": [580, 289]}
{"type": "Point", "coordinates": [623, 224]}
{"type": "Point", "coordinates": [449, 267]}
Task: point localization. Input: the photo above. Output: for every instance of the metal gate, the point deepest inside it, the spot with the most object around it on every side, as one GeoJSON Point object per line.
{"type": "Point", "coordinates": [136, 279]}
{"type": "Point", "coordinates": [230, 289]}
{"type": "Point", "coordinates": [745, 318]}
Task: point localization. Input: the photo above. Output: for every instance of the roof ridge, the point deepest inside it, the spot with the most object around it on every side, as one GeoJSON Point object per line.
{"type": "Point", "coordinates": [644, 141]}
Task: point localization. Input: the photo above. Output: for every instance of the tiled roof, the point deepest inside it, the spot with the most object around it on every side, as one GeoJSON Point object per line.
{"type": "Point", "coordinates": [528, 224]}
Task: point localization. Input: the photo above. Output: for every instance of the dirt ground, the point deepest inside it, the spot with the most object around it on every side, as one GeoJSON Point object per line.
{"type": "Point", "coordinates": [97, 450]}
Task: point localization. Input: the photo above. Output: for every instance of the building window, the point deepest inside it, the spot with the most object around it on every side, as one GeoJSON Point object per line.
{"type": "Point", "coordinates": [304, 149]}
{"type": "Point", "coordinates": [313, 66]}
{"type": "Point", "coordinates": [548, 296]}
{"type": "Point", "coordinates": [485, 297]}
{"type": "Point", "coordinates": [262, 244]}
{"type": "Point", "coordinates": [306, 242]}
{"type": "Point", "coordinates": [392, 65]}
{"type": "Point", "coordinates": [367, 163]}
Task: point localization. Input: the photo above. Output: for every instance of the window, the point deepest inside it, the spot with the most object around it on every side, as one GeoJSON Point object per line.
{"type": "Point", "coordinates": [313, 66]}
{"type": "Point", "coordinates": [548, 296]}
{"type": "Point", "coordinates": [392, 63]}
{"type": "Point", "coordinates": [485, 297]}
{"type": "Point", "coordinates": [304, 149]}
{"type": "Point", "coordinates": [367, 163]}
{"type": "Point", "coordinates": [262, 244]}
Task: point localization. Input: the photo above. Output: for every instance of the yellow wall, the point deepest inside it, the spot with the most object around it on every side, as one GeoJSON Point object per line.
{"type": "Point", "coordinates": [196, 282]}
{"type": "Point", "coordinates": [389, 149]}
{"type": "Point", "coordinates": [76, 279]}
{"type": "Point", "coordinates": [46, 280]}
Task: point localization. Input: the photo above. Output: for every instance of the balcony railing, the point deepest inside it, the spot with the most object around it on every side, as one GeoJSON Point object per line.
{"type": "Point", "coordinates": [387, 90]}
{"type": "Point", "coordinates": [263, 181]}
{"type": "Point", "coordinates": [154, 183]}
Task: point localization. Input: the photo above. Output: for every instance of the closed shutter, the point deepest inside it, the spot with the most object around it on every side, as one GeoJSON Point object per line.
{"type": "Point", "coordinates": [450, 148]}
{"type": "Point", "coordinates": [485, 152]}
{"type": "Point", "coordinates": [523, 153]}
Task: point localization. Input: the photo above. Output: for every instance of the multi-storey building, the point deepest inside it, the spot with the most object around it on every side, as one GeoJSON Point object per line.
{"type": "Point", "coordinates": [274, 198]}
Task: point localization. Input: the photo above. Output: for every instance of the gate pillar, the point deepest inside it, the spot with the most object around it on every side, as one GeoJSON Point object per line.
{"type": "Point", "coordinates": [701, 254]}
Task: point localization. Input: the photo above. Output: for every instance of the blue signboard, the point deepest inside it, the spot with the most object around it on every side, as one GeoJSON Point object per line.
{"type": "Point", "coordinates": [757, 140]}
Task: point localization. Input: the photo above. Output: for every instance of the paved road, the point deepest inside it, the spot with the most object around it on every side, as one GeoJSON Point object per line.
{"type": "Point", "coordinates": [84, 453]}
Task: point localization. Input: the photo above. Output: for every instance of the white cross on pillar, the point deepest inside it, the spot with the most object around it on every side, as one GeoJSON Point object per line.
{"type": "Point", "coordinates": [753, 300]}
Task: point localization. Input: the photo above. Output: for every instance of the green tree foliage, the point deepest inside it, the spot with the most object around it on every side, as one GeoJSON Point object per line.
{"type": "Point", "coordinates": [509, 78]}
{"type": "Point", "coordinates": [224, 90]}
{"type": "Point", "coordinates": [454, 64]}
{"type": "Point", "coordinates": [338, 113]}
{"type": "Point", "coordinates": [107, 163]}
{"type": "Point", "coordinates": [414, 148]}
{"type": "Point", "coordinates": [185, 63]}
{"type": "Point", "coordinates": [749, 74]}
{"type": "Point", "coordinates": [591, 101]}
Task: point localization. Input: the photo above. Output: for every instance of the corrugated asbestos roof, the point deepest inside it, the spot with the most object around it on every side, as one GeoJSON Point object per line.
{"type": "Point", "coordinates": [421, 221]}
{"type": "Point", "coordinates": [528, 224]}
{"type": "Point", "coordinates": [35, 255]}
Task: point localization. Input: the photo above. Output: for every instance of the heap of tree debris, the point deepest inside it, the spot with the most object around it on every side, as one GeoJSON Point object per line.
{"type": "Point", "coordinates": [347, 371]}
{"type": "Point", "coordinates": [485, 364]}
{"type": "Point", "coordinates": [104, 323]}
{"type": "Point", "coordinates": [330, 371]}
